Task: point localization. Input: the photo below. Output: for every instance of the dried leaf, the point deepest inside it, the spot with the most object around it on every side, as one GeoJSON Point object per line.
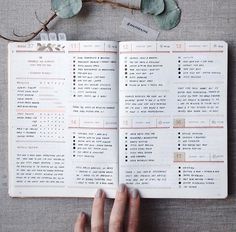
{"type": "Point", "coordinates": [154, 7]}
{"type": "Point", "coordinates": [42, 48]}
{"type": "Point", "coordinates": [170, 18]}
{"type": "Point", "coordinates": [66, 8]}
{"type": "Point", "coordinates": [49, 48]}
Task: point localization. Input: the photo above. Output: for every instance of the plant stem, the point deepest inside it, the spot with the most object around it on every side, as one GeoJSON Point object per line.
{"type": "Point", "coordinates": [111, 3]}
{"type": "Point", "coordinates": [54, 15]}
{"type": "Point", "coordinates": [33, 34]}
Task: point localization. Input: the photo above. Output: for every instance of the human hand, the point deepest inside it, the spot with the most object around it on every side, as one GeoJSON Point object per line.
{"type": "Point", "coordinates": [122, 201]}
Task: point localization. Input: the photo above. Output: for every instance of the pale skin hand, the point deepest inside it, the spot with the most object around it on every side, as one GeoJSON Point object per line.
{"type": "Point", "coordinates": [123, 201]}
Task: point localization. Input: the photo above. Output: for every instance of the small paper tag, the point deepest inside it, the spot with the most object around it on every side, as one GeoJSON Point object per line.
{"type": "Point", "coordinates": [138, 28]}
{"type": "Point", "coordinates": [44, 36]}
{"type": "Point", "coordinates": [62, 36]}
{"type": "Point", "coordinates": [52, 36]}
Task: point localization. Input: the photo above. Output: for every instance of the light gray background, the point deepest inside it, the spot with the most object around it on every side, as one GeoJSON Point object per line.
{"type": "Point", "coordinates": [201, 20]}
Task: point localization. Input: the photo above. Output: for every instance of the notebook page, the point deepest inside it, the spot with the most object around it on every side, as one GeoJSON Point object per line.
{"type": "Point", "coordinates": [173, 118]}
{"type": "Point", "coordinates": [63, 113]}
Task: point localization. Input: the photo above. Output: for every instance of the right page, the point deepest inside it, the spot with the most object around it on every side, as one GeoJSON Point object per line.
{"type": "Point", "coordinates": [173, 118]}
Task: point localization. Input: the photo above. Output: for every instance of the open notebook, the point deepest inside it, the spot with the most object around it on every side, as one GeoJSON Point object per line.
{"type": "Point", "coordinates": [92, 114]}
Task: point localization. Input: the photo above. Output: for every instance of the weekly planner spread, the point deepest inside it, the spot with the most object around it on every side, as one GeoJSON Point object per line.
{"type": "Point", "coordinates": [85, 115]}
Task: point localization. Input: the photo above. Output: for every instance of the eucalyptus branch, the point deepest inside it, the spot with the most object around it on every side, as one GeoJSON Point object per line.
{"type": "Point", "coordinates": [33, 34]}
{"type": "Point", "coordinates": [116, 4]}
{"type": "Point", "coordinates": [26, 38]}
{"type": "Point", "coordinates": [166, 13]}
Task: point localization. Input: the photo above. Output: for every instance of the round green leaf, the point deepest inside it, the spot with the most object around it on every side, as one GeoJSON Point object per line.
{"type": "Point", "coordinates": [154, 7]}
{"type": "Point", "coordinates": [66, 8]}
{"type": "Point", "coordinates": [170, 18]}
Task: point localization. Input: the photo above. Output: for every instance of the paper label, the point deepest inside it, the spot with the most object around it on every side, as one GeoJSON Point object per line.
{"type": "Point", "coordinates": [139, 29]}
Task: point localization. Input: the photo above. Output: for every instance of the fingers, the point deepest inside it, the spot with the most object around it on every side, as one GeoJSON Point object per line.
{"type": "Point", "coordinates": [118, 210]}
{"type": "Point", "coordinates": [80, 223]}
{"type": "Point", "coordinates": [133, 213]}
{"type": "Point", "coordinates": [117, 214]}
{"type": "Point", "coordinates": [97, 219]}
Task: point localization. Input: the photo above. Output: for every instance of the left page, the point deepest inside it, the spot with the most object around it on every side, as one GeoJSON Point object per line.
{"type": "Point", "coordinates": [63, 113]}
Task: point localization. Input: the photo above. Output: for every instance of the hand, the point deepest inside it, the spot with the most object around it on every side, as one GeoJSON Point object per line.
{"type": "Point", "coordinates": [116, 223]}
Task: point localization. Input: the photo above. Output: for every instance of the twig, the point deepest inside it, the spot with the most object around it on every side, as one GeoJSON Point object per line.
{"type": "Point", "coordinates": [26, 38]}
{"type": "Point", "coordinates": [37, 17]}
{"type": "Point", "coordinates": [33, 34]}
{"type": "Point", "coordinates": [111, 3]}
{"type": "Point", "coordinates": [17, 35]}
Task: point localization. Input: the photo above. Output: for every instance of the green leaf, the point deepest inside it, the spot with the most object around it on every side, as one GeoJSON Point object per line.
{"type": "Point", "coordinates": [154, 7]}
{"type": "Point", "coordinates": [170, 18]}
{"type": "Point", "coordinates": [66, 8]}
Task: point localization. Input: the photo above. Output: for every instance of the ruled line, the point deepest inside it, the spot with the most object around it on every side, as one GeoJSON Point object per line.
{"type": "Point", "coordinates": [39, 78]}
{"type": "Point", "coordinates": [192, 127]}
{"type": "Point", "coordinates": [199, 161]}
{"type": "Point", "coordinates": [95, 186]}
{"type": "Point", "coordinates": [40, 110]}
{"type": "Point", "coordinates": [92, 52]}
{"type": "Point", "coordinates": [133, 52]}
{"type": "Point", "coordinates": [39, 186]}
{"type": "Point", "coordinates": [128, 128]}
{"type": "Point", "coordinates": [146, 116]}
{"type": "Point", "coordinates": [94, 128]}
{"type": "Point", "coordinates": [89, 116]}
{"type": "Point", "coordinates": [23, 51]}
{"type": "Point", "coordinates": [38, 141]}
{"type": "Point", "coordinates": [196, 82]}
{"type": "Point", "coordinates": [198, 51]}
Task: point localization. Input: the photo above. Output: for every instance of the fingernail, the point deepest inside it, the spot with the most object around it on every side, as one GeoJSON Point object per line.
{"type": "Point", "coordinates": [99, 193]}
{"type": "Point", "coordinates": [121, 188]}
{"type": "Point", "coordinates": [134, 193]}
{"type": "Point", "coordinates": [81, 215]}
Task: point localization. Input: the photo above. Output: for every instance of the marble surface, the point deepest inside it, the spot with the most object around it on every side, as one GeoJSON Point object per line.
{"type": "Point", "coordinates": [201, 20]}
